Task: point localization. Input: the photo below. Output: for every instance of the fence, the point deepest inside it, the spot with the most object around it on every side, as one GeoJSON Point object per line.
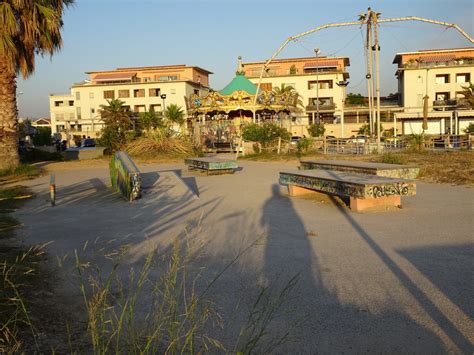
{"type": "Point", "coordinates": [125, 176]}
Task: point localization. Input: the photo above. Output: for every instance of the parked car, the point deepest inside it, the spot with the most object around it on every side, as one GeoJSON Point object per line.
{"type": "Point", "coordinates": [294, 140]}
{"type": "Point", "coordinates": [358, 139]}
{"type": "Point", "coordinates": [87, 143]}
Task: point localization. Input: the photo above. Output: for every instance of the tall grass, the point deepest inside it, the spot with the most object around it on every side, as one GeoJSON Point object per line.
{"type": "Point", "coordinates": [159, 309]}
{"type": "Point", "coordinates": [162, 140]}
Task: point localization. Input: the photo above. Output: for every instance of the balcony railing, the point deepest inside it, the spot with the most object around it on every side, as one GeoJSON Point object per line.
{"type": "Point", "coordinates": [322, 107]}
{"type": "Point", "coordinates": [451, 104]}
{"type": "Point", "coordinates": [456, 62]}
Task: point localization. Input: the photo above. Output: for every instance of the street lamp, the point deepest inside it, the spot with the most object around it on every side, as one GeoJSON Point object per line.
{"type": "Point", "coordinates": [163, 97]}
{"type": "Point", "coordinates": [316, 52]}
{"type": "Point", "coordinates": [343, 84]}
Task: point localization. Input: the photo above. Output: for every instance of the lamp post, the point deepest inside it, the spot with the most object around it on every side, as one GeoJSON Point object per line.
{"type": "Point", "coordinates": [163, 97]}
{"type": "Point", "coordinates": [343, 84]}
{"type": "Point", "coordinates": [317, 51]}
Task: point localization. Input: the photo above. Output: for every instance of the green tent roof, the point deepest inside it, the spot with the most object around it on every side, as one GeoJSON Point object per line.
{"type": "Point", "coordinates": [239, 83]}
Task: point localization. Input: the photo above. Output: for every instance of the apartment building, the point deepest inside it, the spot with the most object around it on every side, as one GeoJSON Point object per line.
{"type": "Point", "coordinates": [316, 79]}
{"type": "Point", "coordinates": [439, 74]}
{"type": "Point", "coordinates": [140, 88]}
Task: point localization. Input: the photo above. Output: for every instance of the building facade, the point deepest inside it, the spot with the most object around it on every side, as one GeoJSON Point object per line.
{"type": "Point", "coordinates": [439, 77]}
{"type": "Point", "coordinates": [315, 79]}
{"type": "Point", "coordinates": [140, 88]}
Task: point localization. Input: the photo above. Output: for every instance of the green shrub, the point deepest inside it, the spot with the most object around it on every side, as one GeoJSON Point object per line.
{"type": "Point", "coordinates": [469, 129]}
{"type": "Point", "coordinates": [42, 136]}
{"type": "Point", "coordinates": [316, 129]}
{"type": "Point", "coordinates": [417, 142]}
{"type": "Point", "coordinates": [265, 134]}
{"type": "Point", "coordinates": [304, 144]}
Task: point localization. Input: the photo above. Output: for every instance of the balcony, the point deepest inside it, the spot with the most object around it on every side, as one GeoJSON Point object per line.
{"type": "Point", "coordinates": [322, 107]}
{"type": "Point", "coordinates": [451, 105]}
{"type": "Point", "coordinates": [456, 62]}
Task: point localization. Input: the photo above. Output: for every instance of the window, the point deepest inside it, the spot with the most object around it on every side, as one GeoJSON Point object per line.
{"type": "Point", "coordinates": [139, 108]}
{"type": "Point", "coordinates": [124, 93]}
{"type": "Point", "coordinates": [109, 94]}
{"type": "Point", "coordinates": [91, 95]}
{"type": "Point", "coordinates": [463, 78]}
{"type": "Point", "coordinates": [78, 96]}
{"type": "Point", "coordinates": [323, 84]}
{"type": "Point", "coordinates": [92, 110]}
{"type": "Point", "coordinates": [168, 78]}
{"type": "Point", "coordinates": [324, 102]}
{"type": "Point", "coordinates": [78, 113]}
{"type": "Point", "coordinates": [139, 93]}
{"type": "Point", "coordinates": [442, 78]}
{"type": "Point", "coordinates": [58, 103]}
{"type": "Point", "coordinates": [71, 102]}
{"type": "Point", "coordinates": [79, 128]}
{"type": "Point", "coordinates": [442, 96]}
{"type": "Point", "coordinates": [196, 92]}
{"type": "Point", "coordinates": [59, 128]}
{"type": "Point", "coordinates": [266, 86]}
{"type": "Point", "coordinates": [154, 92]}
{"type": "Point", "coordinates": [155, 107]}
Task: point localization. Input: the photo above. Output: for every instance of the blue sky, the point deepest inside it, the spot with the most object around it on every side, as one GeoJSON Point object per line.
{"type": "Point", "coordinates": [105, 34]}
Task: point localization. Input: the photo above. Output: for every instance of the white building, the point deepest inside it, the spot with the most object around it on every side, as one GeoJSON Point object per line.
{"type": "Point", "coordinates": [441, 75]}
{"type": "Point", "coordinates": [140, 88]}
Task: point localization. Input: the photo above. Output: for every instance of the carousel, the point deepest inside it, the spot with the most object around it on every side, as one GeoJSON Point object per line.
{"type": "Point", "coordinates": [217, 118]}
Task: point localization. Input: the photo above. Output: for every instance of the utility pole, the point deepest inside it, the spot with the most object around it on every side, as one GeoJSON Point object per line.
{"type": "Point", "coordinates": [375, 16]}
{"type": "Point", "coordinates": [369, 76]}
{"type": "Point", "coordinates": [317, 51]}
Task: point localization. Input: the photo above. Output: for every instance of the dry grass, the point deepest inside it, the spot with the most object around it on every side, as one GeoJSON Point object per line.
{"type": "Point", "coordinates": [455, 168]}
{"type": "Point", "coordinates": [158, 142]}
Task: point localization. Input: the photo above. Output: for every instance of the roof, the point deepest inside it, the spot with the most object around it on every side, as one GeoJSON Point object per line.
{"type": "Point", "coordinates": [433, 52]}
{"type": "Point", "coordinates": [156, 67]}
{"type": "Point", "coordinates": [239, 83]}
{"type": "Point", "coordinates": [117, 76]}
{"type": "Point", "coordinates": [320, 64]}
{"type": "Point", "coordinates": [288, 60]}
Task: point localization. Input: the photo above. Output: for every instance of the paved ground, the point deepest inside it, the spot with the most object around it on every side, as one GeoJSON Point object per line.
{"type": "Point", "coordinates": [392, 282]}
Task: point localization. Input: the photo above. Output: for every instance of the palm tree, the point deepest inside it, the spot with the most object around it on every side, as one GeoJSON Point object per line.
{"type": "Point", "coordinates": [117, 122]}
{"type": "Point", "coordinates": [27, 28]}
{"type": "Point", "coordinates": [174, 114]}
{"type": "Point", "coordinates": [468, 94]}
{"type": "Point", "coordinates": [149, 120]}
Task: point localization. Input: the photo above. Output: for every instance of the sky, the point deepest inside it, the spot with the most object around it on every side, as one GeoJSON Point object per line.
{"type": "Point", "coordinates": [106, 34]}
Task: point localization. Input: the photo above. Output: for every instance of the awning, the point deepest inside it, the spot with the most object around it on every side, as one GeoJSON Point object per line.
{"type": "Point", "coordinates": [321, 64]}
{"type": "Point", "coordinates": [114, 77]}
{"type": "Point", "coordinates": [437, 58]}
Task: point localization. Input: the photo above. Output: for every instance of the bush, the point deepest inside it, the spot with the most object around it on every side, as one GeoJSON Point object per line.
{"type": "Point", "coordinates": [469, 129]}
{"type": "Point", "coordinates": [163, 140]}
{"type": "Point", "coordinates": [316, 129]}
{"type": "Point", "coordinates": [304, 144]}
{"type": "Point", "coordinates": [42, 136]}
{"type": "Point", "coordinates": [265, 134]}
{"type": "Point", "coordinates": [417, 142]}
{"type": "Point", "coordinates": [365, 129]}
{"type": "Point", "coordinates": [391, 158]}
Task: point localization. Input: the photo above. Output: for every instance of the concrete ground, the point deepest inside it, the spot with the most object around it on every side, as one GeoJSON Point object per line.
{"type": "Point", "coordinates": [386, 282]}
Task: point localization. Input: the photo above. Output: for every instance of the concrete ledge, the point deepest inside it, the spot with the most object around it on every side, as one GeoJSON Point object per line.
{"type": "Point", "coordinates": [359, 205]}
{"type": "Point", "coordinates": [212, 165]}
{"type": "Point", "coordinates": [378, 169]}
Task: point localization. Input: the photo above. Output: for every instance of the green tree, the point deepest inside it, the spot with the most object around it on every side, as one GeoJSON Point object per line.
{"type": "Point", "coordinates": [469, 129]}
{"type": "Point", "coordinates": [42, 136]}
{"type": "Point", "coordinates": [117, 122]}
{"type": "Point", "coordinates": [316, 129]}
{"type": "Point", "coordinates": [265, 134]}
{"type": "Point", "coordinates": [27, 28]}
{"type": "Point", "coordinates": [174, 114]}
{"type": "Point", "coordinates": [148, 121]}
{"type": "Point", "coordinates": [468, 93]}
{"type": "Point", "coordinates": [354, 99]}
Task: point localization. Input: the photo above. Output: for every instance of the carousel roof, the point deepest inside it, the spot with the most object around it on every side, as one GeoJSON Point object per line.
{"type": "Point", "coordinates": [239, 83]}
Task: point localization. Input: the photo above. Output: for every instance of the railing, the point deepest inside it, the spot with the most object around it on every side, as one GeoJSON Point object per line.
{"type": "Point", "coordinates": [456, 62]}
{"type": "Point", "coordinates": [321, 107]}
{"type": "Point", "coordinates": [449, 142]}
{"type": "Point", "coordinates": [125, 176]}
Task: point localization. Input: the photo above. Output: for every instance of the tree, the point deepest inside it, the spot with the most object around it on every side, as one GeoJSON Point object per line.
{"type": "Point", "coordinates": [174, 114]}
{"type": "Point", "coordinates": [27, 28]}
{"type": "Point", "coordinates": [117, 122]}
{"type": "Point", "coordinates": [354, 99]}
{"type": "Point", "coordinates": [468, 94]}
{"type": "Point", "coordinates": [316, 129]}
{"type": "Point", "coordinates": [284, 89]}
{"type": "Point", "coordinates": [149, 121]}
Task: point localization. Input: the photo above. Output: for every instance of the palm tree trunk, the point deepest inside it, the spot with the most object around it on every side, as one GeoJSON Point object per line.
{"type": "Point", "coordinates": [8, 117]}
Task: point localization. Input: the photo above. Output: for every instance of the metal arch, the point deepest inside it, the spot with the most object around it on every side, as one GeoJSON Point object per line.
{"type": "Point", "coordinates": [363, 21]}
